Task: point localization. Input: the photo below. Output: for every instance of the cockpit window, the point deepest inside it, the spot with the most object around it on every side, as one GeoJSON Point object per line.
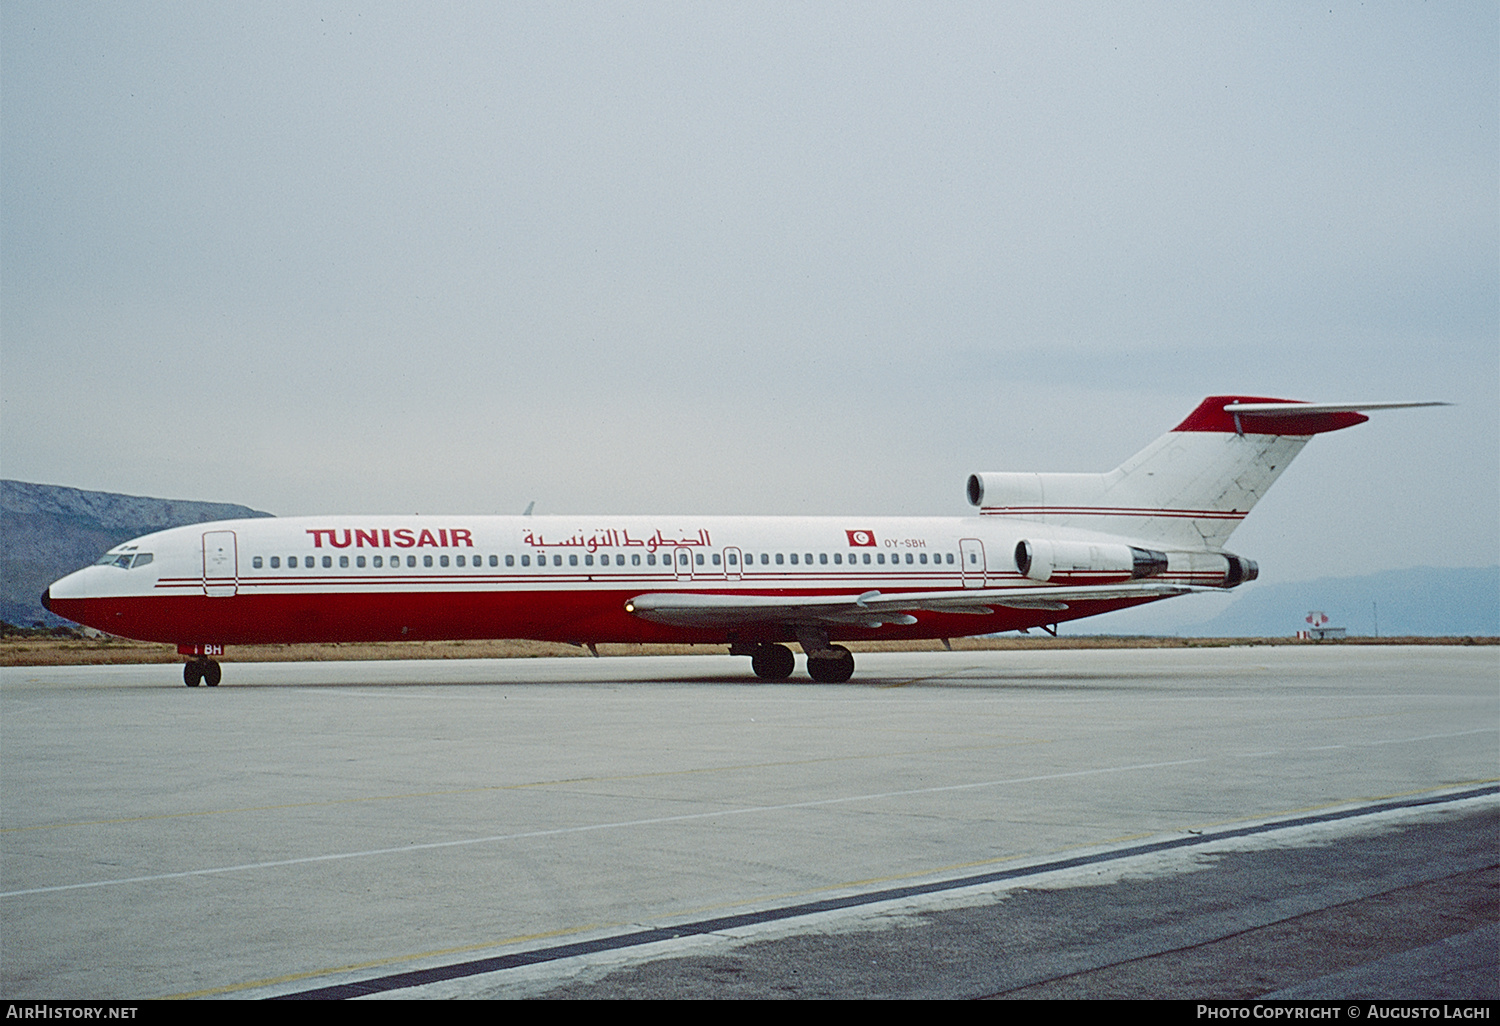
{"type": "Point", "coordinates": [124, 560]}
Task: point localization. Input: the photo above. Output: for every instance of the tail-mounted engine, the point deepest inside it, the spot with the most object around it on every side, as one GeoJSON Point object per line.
{"type": "Point", "coordinates": [1070, 562]}
{"type": "Point", "coordinates": [1240, 570]}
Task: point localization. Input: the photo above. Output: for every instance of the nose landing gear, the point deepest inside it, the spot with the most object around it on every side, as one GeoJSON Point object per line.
{"type": "Point", "coordinates": [205, 670]}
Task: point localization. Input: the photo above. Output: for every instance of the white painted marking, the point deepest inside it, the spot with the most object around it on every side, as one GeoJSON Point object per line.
{"type": "Point", "coordinates": [687, 817]}
{"type": "Point", "coordinates": [587, 828]}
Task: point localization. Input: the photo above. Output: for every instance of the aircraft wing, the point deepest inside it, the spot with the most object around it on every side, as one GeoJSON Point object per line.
{"type": "Point", "coordinates": [874, 608]}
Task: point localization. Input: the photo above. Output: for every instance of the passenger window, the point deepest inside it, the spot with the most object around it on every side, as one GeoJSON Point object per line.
{"type": "Point", "coordinates": [838, 558]}
{"type": "Point", "coordinates": [778, 559]}
{"type": "Point", "coordinates": [807, 558]}
{"type": "Point", "coordinates": [411, 561]}
{"type": "Point", "coordinates": [716, 559]}
{"type": "Point", "coordinates": [275, 562]}
{"type": "Point", "coordinates": [359, 561]}
{"type": "Point", "coordinates": [572, 559]}
{"type": "Point", "coordinates": [327, 562]}
{"type": "Point", "coordinates": [732, 560]}
{"type": "Point", "coordinates": [459, 561]}
{"type": "Point", "coordinates": [587, 560]}
{"type": "Point", "coordinates": [344, 562]}
{"type": "Point", "coordinates": [557, 560]}
{"type": "Point", "coordinates": [255, 562]}
{"type": "Point", "coordinates": [291, 562]}
{"type": "Point", "coordinates": [794, 559]}
{"type": "Point", "coordinates": [442, 561]}
{"type": "Point", "coordinates": [823, 558]}
{"type": "Point", "coordinates": [377, 561]}
{"type": "Point", "coordinates": [635, 559]}
{"type": "Point", "coordinates": [880, 557]}
{"type": "Point", "coordinates": [650, 559]}
{"type": "Point", "coordinates": [909, 558]}
{"type": "Point", "coordinates": [426, 560]}
{"type": "Point", "coordinates": [698, 558]}
{"type": "Point", "coordinates": [509, 561]}
{"type": "Point", "coordinates": [525, 560]}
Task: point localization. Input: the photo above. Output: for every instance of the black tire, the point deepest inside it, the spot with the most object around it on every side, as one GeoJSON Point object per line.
{"type": "Point", "coordinates": [832, 670]}
{"type": "Point", "coordinates": [773, 662]}
{"type": "Point", "coordinates": [845, 664]}
{"type": "Point", "coordinates": [192, 673]}
{"type": "Point", "coordinates": [212, 673]}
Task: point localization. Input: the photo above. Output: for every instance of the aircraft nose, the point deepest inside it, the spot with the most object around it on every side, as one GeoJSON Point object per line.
{"type": "Point", "coordinates": [47, 600]}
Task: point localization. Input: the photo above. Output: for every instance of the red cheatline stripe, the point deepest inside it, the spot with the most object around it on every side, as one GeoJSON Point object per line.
{"type": "Point", "coordinates": [1112, 511]}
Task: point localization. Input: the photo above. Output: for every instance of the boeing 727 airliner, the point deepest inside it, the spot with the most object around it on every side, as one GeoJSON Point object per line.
{"type": "Point", "coordinates": [1038, 550]}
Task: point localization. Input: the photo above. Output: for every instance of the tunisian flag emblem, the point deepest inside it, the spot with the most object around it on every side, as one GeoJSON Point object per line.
{"type": "Point", "coordinates": [861, 539]}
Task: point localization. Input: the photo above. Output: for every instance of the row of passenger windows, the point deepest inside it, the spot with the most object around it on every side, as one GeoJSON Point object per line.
{"type": "Point", "coordinates": [604, 559]}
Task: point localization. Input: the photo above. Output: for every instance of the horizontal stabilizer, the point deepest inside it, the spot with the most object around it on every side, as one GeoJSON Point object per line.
{"type": "Point", "coordinates": [1294, 409]}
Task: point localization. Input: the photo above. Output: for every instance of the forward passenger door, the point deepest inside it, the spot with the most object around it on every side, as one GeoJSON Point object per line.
{"type": "Point", "coordinates": [221, 569]}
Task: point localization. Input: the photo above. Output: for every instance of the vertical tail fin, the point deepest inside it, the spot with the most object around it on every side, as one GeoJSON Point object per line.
{"type": "Point", "coordinates": [1191, 487]}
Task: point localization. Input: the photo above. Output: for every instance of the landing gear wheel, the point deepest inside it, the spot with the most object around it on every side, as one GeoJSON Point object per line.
{"type": "Point", "coordinates": [212, 673]}
{"type": "Point", "coordinates": [773, 662]}
{"type": "Point", "coordinates": [832, 669]}
{"type": "Point", "coordinates": [192, 673]}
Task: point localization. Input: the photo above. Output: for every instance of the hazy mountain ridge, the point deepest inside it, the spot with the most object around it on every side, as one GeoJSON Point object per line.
{"type": "Point", "coordinates": [1419, 600]}
{"type": "Point", "coordinates": [1428, 601]}
{"type": "Point", "coordinates": [47, 531]}
{"type": "Point", "coordinates": [110, 510]}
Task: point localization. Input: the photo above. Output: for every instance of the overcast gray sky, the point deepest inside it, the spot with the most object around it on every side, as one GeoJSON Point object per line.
{"type": "Point", "coordinates": [760, 258]}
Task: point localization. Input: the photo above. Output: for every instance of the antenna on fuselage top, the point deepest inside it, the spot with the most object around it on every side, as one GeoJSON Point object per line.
{"type": "Point", "coordinates": [529, 507]}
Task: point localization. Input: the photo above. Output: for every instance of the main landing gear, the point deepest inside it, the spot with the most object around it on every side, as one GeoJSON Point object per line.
{"type": "Point", "coordinates": [826, 664]}
{"type": "Point", "coordinates": [833, 665]}
{"type": "Point", "coordinates": [205, 670]}
{"type": "Point", "coordinates": [772, 662]}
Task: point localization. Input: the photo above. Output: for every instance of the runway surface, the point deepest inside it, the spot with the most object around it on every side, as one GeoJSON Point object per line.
{"type": "Point", "coordinates": [309, 826]}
